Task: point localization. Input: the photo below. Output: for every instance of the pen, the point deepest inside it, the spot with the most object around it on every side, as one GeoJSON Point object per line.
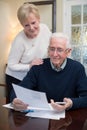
{"type": "Point", "coordinates": [29, 110]}
{"type": "Point", "coordinates": [61, 103]}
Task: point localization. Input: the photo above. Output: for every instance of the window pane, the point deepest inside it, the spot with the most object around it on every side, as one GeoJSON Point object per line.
{"type": "Point", "coordinates": [76, 35]}
{"type": "Point", "coordinates": [85, 14]}
{"type": "Point", "coordinates": [85, 35]}
{"type": "Point", "coordinates": [76, 14]}
{"type": "Point", "coordinates": [76, 54]}
{"type": "Point", "coordinates": [84, 53]}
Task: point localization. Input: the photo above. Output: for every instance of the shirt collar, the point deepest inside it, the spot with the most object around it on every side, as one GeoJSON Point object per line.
{"type": "Point", "coordinates": [61, 67]}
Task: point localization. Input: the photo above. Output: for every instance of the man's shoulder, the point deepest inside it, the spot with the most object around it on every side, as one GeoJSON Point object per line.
{"type": "Point", "coordinates": [74, 62]}
{"type": "Point", "coordinates": [45, 62]}
{"type": "Point", "coordinates": [37, 69]}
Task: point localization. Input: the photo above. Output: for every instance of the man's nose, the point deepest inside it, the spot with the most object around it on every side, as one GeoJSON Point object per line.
{"type": "Point", "coordinates": [55, 52]}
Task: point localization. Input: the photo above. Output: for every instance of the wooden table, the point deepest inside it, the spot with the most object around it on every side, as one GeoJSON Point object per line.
{"type": "Point", "coordinates": [13, 120]}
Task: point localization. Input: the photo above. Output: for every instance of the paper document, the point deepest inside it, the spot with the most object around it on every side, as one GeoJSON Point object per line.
{"type": "Point", "coordinates": [33, 98]}
{"type": "Point", "coordinates": [52, 114]}
{"type": "Point", "coordinates": [9, 105]}
{"type": "Point", "coordinates": [38, 104]}
{"type": "Point", "coordinates": [47, 114]}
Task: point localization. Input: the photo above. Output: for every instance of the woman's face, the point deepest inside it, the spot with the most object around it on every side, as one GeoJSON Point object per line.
{"type": "Point", "coordinates": [31, 26]}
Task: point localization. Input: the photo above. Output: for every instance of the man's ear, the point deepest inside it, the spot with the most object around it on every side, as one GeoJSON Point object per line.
{"type": "Point", "coordinates": [69, 52]}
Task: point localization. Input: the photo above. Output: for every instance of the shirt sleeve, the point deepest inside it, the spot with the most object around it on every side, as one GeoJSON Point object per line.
{"type": "Point", "coordinates": [29, 82]}
{"type": "Point", "coordinates": [17, 50]}
{"type": "Point", "coordinates": [81, 91]}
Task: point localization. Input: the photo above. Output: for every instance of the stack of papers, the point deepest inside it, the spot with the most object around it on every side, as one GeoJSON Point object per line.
{"type": "Point", "coordinates": [37, 102]}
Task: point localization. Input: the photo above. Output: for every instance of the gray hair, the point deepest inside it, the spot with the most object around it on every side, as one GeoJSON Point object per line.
{"type": "Point", "coordinates": [62, 35]}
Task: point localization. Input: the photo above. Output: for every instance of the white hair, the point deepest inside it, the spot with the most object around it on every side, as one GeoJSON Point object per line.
{"type": "Point", "coordinates": [62, 35]}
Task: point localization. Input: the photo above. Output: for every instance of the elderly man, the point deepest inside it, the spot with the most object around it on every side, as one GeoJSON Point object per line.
{"type": "Point", "coordinates": [62, 78]}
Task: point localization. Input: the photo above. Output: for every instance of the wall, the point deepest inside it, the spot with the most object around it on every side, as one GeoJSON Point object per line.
{"type": "Point", "coordinates": [9, 27]}
{"type": "Point", "coordinates": [59, 16]}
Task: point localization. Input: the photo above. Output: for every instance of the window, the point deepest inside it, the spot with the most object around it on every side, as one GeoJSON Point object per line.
{"type": "Point", "coordinates": [75, 25]}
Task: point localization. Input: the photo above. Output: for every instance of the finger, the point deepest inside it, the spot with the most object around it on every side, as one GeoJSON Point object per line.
{"type": "Point", "coordinates": [57, 106]}
{"type": "Point", "coordinates": [52, 101]}
{"type": "Point", "coordinates": [20, 107]}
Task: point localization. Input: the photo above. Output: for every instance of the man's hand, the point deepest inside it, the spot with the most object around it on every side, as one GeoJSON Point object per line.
{"type": "Point", "coordinates": [19, 105]}
{"type": "Point", "coordinates": [68, 104]}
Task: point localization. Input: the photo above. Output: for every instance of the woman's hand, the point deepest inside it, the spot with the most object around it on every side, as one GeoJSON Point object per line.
{"type": "Point", "coordinates": [19, 105]}
{"type": "Point", "coordinates": [68, 104]}
{"type": "Point", "coordinates": [36, 62]}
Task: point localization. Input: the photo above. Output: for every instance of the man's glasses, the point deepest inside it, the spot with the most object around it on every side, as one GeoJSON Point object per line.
{"type": "Point", "coordinates": [58, 50]}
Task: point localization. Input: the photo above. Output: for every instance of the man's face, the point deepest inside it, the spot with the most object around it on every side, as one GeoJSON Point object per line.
{"type": "Point", "coordinates": [57, 51]}
{"type": "Point", "coordinates": [31, 26]}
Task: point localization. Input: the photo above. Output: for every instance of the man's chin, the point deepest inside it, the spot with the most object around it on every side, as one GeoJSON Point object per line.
{"type": "Point", "coordinates": [56, 63]}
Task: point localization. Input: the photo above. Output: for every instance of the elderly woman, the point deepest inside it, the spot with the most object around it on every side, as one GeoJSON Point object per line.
{"type": "Point", "coordinates": [28, 47]}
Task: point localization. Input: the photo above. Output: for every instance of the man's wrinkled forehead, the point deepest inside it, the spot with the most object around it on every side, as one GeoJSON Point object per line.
{"type": "Point", "coordinates": [58, 40]}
